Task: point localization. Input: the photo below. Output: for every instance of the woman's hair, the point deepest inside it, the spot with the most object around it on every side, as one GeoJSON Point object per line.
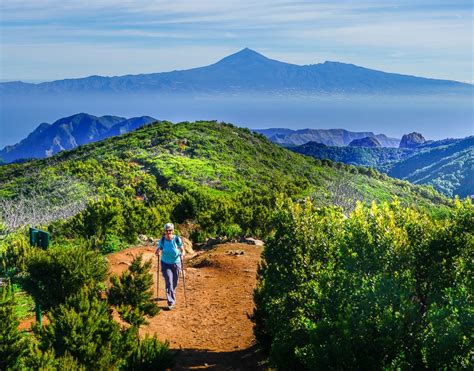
{"type": "Point", "coordinates": [168, 226]}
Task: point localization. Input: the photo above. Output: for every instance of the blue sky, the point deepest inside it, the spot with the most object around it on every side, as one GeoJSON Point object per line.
{"type": "Point", "coordinates": [55, 39]}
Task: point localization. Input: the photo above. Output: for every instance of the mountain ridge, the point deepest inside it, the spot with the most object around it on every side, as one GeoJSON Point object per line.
{"type": "Point", "coordinates": [371, 142]}
{"type": "Point", "coordinates": [68, 133]}
{"type": "Point", "coordinates": [250, 71]}
{"type": "Point", "coordinates": [447, 165]}
{"type": "Point", "coordinates": [82, 128]}
{"type": "Point", "coordinates": [329, 137]}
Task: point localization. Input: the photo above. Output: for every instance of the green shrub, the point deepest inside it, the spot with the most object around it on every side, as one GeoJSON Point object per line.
{"type": "Point", "coordinates": [47, 361]}
{"type": "Point", "coordinates": [102, 218]}
{"type": "Point", "coordinates": [112, 244]}
{"type": "Point", "coordinates": [149, 354]}
{"type": "Point", "coordinates": [83, 327]}
{"type": "Point", "coordinates": [13, 345]}
{"type": "Point", "coordinates": [15, 250]}
{"type": "Point", "coordinates": [57, 273]}
{"type": "Point", "coordinates": [132, 292]}
{"type": "Point", "coordinates": [387, 287]}
{"type": "Point", "coordinates": [232, 231]}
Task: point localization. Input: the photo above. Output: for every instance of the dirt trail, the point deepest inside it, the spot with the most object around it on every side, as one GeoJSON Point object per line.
{"type": "Point", "coordinates": [214, 330]}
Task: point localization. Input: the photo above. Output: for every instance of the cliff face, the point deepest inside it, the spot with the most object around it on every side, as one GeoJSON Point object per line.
{"type": "Point", "coordinates": [68, 133]}
{"type": "Point", "coordinates": [412, 140]}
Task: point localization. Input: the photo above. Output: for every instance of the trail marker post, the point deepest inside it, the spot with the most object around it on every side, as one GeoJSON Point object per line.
{"type": "Point", "coordinates": [184, 282]}
{"type": "Point", "coordinates": [158, 277]}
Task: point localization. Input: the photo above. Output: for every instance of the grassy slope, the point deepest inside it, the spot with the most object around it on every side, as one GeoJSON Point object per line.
{"type": "Point", "coordinates": [219, 159]}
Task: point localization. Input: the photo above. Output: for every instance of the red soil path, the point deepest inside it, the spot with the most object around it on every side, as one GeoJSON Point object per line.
{"type": "Point", "coordinates": [213, 331]}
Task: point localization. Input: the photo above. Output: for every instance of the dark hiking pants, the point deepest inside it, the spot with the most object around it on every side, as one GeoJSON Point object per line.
{"type": "Point", "coordinates": [171, 275]}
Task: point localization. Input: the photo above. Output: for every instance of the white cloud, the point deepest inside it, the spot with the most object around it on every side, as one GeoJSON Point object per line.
{"type": "Point", "coordinates": [290, 29]}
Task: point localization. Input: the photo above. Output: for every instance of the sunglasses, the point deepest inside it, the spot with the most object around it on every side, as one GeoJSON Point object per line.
{"type": "Point", "coordinates": [169, 230]}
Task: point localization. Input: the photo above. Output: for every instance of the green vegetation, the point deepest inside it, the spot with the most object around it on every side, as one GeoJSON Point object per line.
{"type": "Point", "coordinates": [218, 180]}
{"type": "Point", "coordinates": [12, 343]}
{"type": "Point", "coordinates": [446, 165]}
{"type": "Point", "coordinates": [223, 179]}
{"type": "Point", "coordinates": [388, 287]}
{"type": "Point", "coordinates": [83, 328]}
{"type": "Point", "coordinates": [149, 354]}
{"type": "Point", "coordinates": [132, 293]}
{"type": "Point", "coordinates": [59, 272]}
{"type": "Point", "coordinates": [81, 333]}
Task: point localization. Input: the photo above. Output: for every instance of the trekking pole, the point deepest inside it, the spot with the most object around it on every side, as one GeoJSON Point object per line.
{"type": "Point", "coordinates": [184, 282]}
{"type": "Point", "coordinates": [158, 278]}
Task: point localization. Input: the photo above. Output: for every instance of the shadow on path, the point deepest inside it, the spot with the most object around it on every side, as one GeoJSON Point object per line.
{"type": "Point", "coordinates": [197, 359]}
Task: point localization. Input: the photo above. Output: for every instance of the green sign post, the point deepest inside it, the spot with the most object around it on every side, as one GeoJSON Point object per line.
{"type": "Point", "coordinates": [41, 239]}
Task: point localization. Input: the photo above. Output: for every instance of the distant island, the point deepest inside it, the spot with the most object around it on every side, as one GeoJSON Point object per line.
{"type": "Point", "coordinates": [248, 71]}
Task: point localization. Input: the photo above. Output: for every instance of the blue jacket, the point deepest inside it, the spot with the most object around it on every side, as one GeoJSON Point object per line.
{"type": "Point", "coordinates": [170, 249]}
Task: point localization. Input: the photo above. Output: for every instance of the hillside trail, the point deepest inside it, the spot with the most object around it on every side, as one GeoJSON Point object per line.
{"type": "Point", "coordinates": [213, 331]}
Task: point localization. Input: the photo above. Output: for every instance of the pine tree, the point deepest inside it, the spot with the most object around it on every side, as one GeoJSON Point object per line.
{"type": "Point", "coordinates": [59, 272]}
{"type": "Point", "coordinates": [46, 361]}
{"type": "Point", "coordinates": [12, 343]}
{"type": "Point", "coordinates": [132, 292]}
{"type": "Point", "coordinates": [83, 328]}
{"type": "Point", "coordinates": [149, 354]}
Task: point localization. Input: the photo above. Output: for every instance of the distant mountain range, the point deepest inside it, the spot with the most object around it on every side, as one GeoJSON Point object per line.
{"type": "Point", "coordinates": [329, 137]}
{"type": "Point", "coordinates": [249, 71]}
{"type": "Point", "coordinates": [68, 133]}
{"type": "Point", "coordinates": [447, 165]}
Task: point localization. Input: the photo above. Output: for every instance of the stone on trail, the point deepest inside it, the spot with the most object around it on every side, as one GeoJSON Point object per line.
{"type": "Point", "coordinates": [145, 240]}
{"type": "Point", "coordinates": [252, 241]}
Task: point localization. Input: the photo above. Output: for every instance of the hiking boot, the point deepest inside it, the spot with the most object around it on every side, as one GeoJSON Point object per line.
{"type": "Point", "coordinates": [170, 307]}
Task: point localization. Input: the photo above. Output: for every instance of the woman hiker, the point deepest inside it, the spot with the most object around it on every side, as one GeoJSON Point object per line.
{"type": "Point", "coordinates": [171, 249]}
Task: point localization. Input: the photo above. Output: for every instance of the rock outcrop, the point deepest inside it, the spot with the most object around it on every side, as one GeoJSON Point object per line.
{"type": "Point", "coordinates": [412, 140]}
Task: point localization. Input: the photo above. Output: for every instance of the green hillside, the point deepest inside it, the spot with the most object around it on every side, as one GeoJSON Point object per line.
{"type": "Point", "coordinates": [221, 179]}
{"type": "Point", "coordinates": [359, 156]}
{"type": "Point", "coordinates": [448, 168]}
{"type": "Point", "coordinates": [445, 165]}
